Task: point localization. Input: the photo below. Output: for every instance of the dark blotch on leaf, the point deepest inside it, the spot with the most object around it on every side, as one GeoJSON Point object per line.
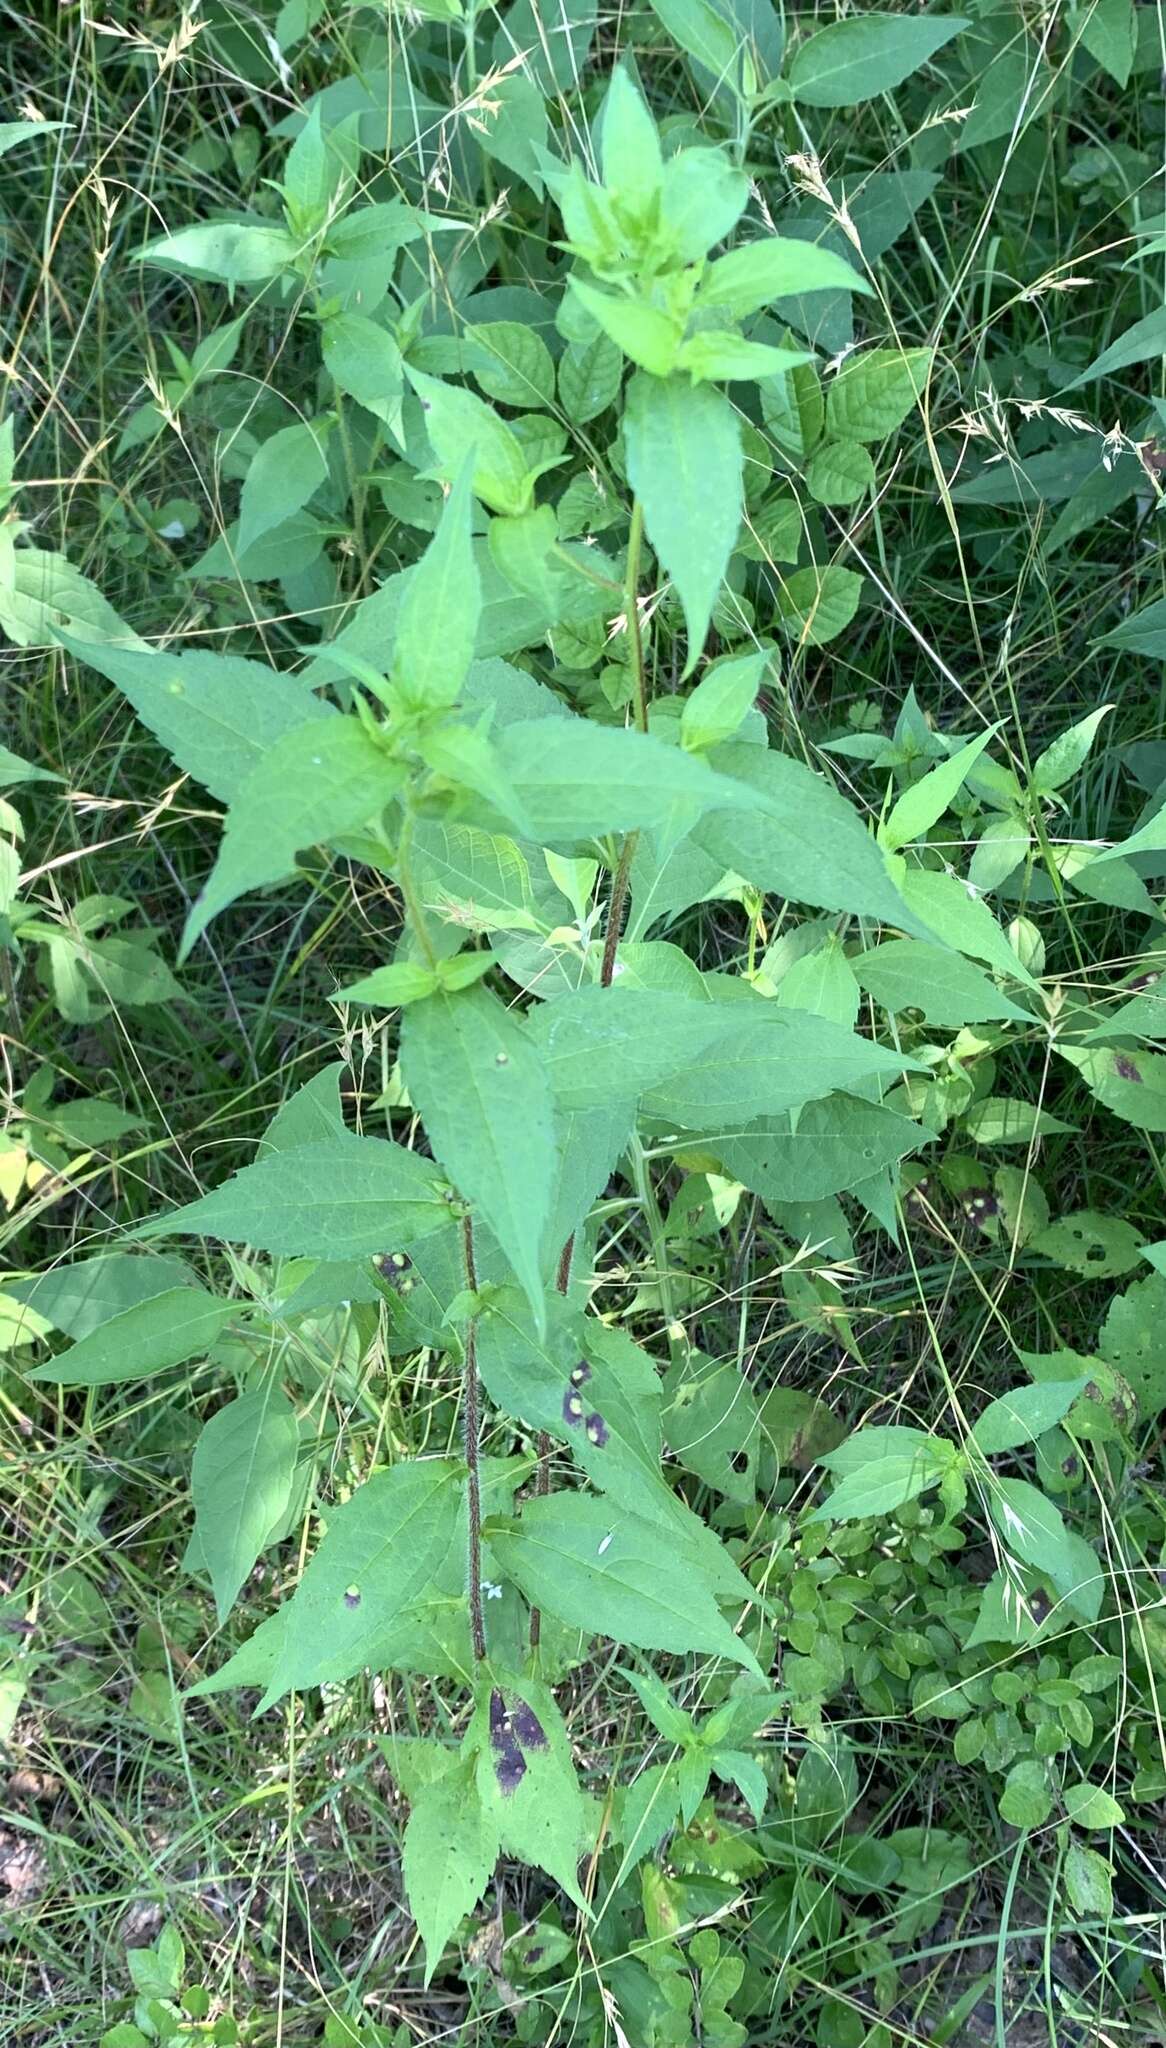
{"type": "Point", "coordinates": [1126, 1067]}
{"type": "Point", "coordinates": [572, 1409]}
{"type": "Point", "coordinates": [527, 1726]}
{"type": "Point", "coordinates": [580, 1374]}
{"type": "Point", "coordinates": [499, 1720]}
{"type": "Point", "coordinates": [509, 1768]}
{"type": "Point", "coordinates": [1040, 1606]}
{"type": "Point", "coordinates": [596, 1431]}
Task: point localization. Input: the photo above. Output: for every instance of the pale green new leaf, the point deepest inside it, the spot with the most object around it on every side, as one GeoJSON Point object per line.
{"type": "Point", "coordinates": [630, 147]}
{"type": "Point", "coordinates": [458, 423]}
{"type": "Point", "coordinates": [381, 1548]}
{"type": "Point", "coordinates": [438, 620]}
{"type": "Point", "coordinates": [476, 1077]}
{"type": "Point", "coordinates": [749, 278]}
{"type": "Point", "coordinates": [867, 54]}
{"type": "Point", "coordinates": [12, 132]}
{"type": "Point", "coordinates": [1068, 752]}
{"type": "Point", "coordinates": [163, 1330]}
{"type": "Point", "coordinates": [646, 335]}
{"type": "Point", "coordinates": [451, 1847]}
{"type": "Point", "coordinates": [240, 1482]}
{"type": "Point", "coordinates": [609, 1572]}
{"type": "Point", "coordinates": [315, 783]}
{"type": "Point", "coordinates": [342, 1198]}
{"type": "Point", "coordinates": [235, 252]}
{"type": "Point", "coordinates": [684, 464]}
{"type": "Point", "coordinates": [880, 1468]}
{"type": "Point", "coordinates": [922, 806]}
{"type": "Point", "coordinates": [216, 714]}
{"type": "Point", "coordinates": [722, 699]}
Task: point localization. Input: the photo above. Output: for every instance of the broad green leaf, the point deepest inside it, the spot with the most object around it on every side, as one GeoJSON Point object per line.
{"type": "Point", "coordinates": [1088, 1877]}
{"type": "Point", "coordinates": [880, 1468]}
{"type": "Point", "coordinates": [1143, 342]}
{"type": "Point", "coordinates": [961, 918]}
{"type": "Point", "coordinates": [836, 1145]}
{"type": "Point", "coordinates": [604, 1570]}
{"type": "Point", "coordinates": [381, 1548]}
{"type": "Point", "coordinates": [476, 1077]}
{"type": "Point", "coordinates": [315, 783]}
{"type": "Point", "coordinates": [438, 621]}
{"type": "Point", "coordinates": [818, 604]}
{"type": "Point", "coordinates": [749, 278]}
{"type": "Point", "coordinates": [1143, 633]}
{"type": "Point", "coordinates": [722, 699]}
{"type": "Point", "coordinates": [363, 360]}
{"type": "Point", "coordinates": [924, 803]}
{"type": "Point", "coordinates": [286, 470]}
{"type": "Point", "coordinates": [712, 1425]}
{"type": "Point", "coordinates": [590, 374]}
{"type": "Point", "coordinates": [162, 1330]}
{"type": "Point", "coordinates": [1109, 31]}
{"type": "Point", "coordinates": [645, 334]}
{"type": "Point", "coordinates": [840, 473]}
{"type": "Point", "coordinates": [530, 1378]}
{"type": "Point", "coordinates": [12, 132]}
{"type": "Point", "coordinates": [856, 59]}
{"type": "Point", "coordinates": [1091, 1806]}
{"type": "Point", "coordinates": [907, 974]}
{"type": "Point", "coordinates": [703, 198]}
{"type": "Point", "coordinates": [1068, 752]}
{"type": "Point", "coordinates": [1131, 1339]}
{"type": "Point", "coordinates": [1027, 1799]}
{"type": "Point", "coordinates": [575, 780]}
{"type": "Point", "coordinates": [216, 714]}
{"type": "Point", "coordinates": [310, 1116]}
{"type": "Point", "coordinates": [1098, 1247]}
{"type": "Point", "coordinates": [873, 392]}
{"type": "Point", "coordinates": [809, 844]}
{"type": "Point", "coordinates": [540, 1818]}
{"type": "Point", "coordinates": [241, 1478]}
{"type": "Point", "coordinates": [630, 158]}
{"type": "Point", "coordinates": [79, 1298]}
{"type": "Point", "coordinates": [348, 1198]}
{"type": "Point", "coordinates": [715, 355]}
{"type": "Point", "coordinates": [362, 250]}
{"type": "Point", "coordinates": [43, 597]}
{"type": "Point", "coordinates": [15, 771]}
{"type": "Point", "coordinates": [707, 34]}
{"type": "Point", "coordinates": [1024, 1414]}
{"type": "Point", "coordinates": [510, 117]}
{"type": "Point", "coordinates": [459, 424]}
{"type": "Point", "coordinates": [1034, 1529]}
{"type": "Point", "coordinates": [771, 1059]}
{"type": "Point", "coordinates": [684, 464]}
{"type": "Point", "coordinates": [235, 252]}
{"type": "Point", "coordinates": [451, 1847]}
{"type": "Point", "coordinates": [319, 166]}
{"type": "Point", "coordinates": [1131, 1084]}
{"type": "Point", "coordinates": [513, 364]}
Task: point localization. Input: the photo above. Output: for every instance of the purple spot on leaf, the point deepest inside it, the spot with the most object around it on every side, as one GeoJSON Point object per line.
{"type": "Point", "coordinates": [509, 1768]}
{"type": "Point", "coordinates": [572, 1409]}
{"type": "Point", "coordinates": [596, 1431]}
{"type": "Point", "coordinates": [352, 1596]}
{"type": "Point", "coordinates": [580, 1373]}
{"type": "Point", "coordinates": [527, 1726]}
{"type": "Point", "coordinates": [1126, 1067]}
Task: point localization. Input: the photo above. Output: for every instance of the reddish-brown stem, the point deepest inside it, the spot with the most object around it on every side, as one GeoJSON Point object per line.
{"type": "Point", "coordinates": [472, 1425]}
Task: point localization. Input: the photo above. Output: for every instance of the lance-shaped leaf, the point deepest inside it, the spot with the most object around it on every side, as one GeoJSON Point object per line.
{"type": "Point", "coordinates": [313, 784]}
{"type": "Point", "coordinates": [241, 1481]}
{"type": "Point", "coordinates": [575, 780]}
{"type": "Point", "coordinates": [476, 1077]}
{"type": "Point", "coordinates": [451, 1847]}
{"type": "Point", "coordinates": [216, 714]}
{"type": "Point", "coordinates": [597, 1567]}
{"type": "Point", "coordinates": [526, 1780]}
{"type": "Point", "coordinates": [381, 1548]}
{"type": "Point", "coordinates": [439, 616]}
{"type": "Point", "coordinates": [684, 465]}
{"type": "Point", "coordinates": [344, 1198]}
{"type": "Point", "coordinates": [166, 1329]}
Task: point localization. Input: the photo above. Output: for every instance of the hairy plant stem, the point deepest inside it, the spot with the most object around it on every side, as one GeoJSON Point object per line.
{"type": "Point", "coordinates": [472, 1425]}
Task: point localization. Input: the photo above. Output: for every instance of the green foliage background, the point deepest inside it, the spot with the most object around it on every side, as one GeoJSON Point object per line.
{"type": "Point", "coordinates": [787, 387]}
